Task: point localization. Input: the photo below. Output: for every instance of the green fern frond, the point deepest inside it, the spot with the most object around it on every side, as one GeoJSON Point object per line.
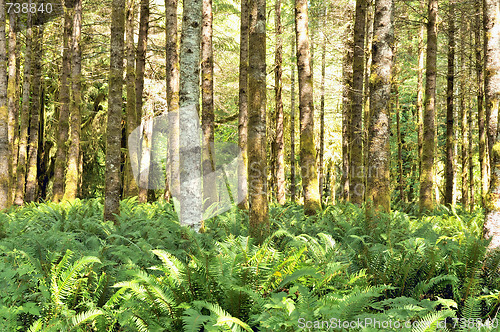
{"type": "Point", "coordinates": [84, 317]}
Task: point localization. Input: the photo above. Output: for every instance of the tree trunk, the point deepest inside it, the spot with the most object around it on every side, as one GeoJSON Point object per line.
{"type": "Point", "coordinates": [4, 117]}
{"type": "Point", "coordinates": [292, 125]}
{"type": "Point", "coordinates": [64, 100]}
{"type": "Point", "coordinates": [427, 175]}
{"type": "Point", "coordinates": [450, 162]}
{"type": "Point", "coordinates": [140, 66]}
{"type": "Point", "coordinates": [401, 184]}
{"type": "Point", "coordinates": [13, 104]}
{"type": "Point", "coordinates": [24, 117]}
{"type": "Point", "coordinates": [115, 104]}
{"type": "Point", "coordinates": [190, 155]}
{"type": "Point", "coordinates": [129, 185]}
{"type": "Point", "coordinates": [207, 67]}
{"type": "Point", "coordinates": [32, 175]}
{"type": "Point", "coordinates": [492, 94]}
{"type": "Point", "coordinates": [243, 107]}
{"type": "Point", "coordinates": [356, 181]}
{"type": "Point", "coordinates": [278, 89]}
{"type": "Point", "coordinates": [463, 121]}
{"type": "Point", "coordinates": [172, 66]}
{"type": "Point", "coordinates": [72, 173]}
{"type": "Point", "coordinates": [366, 85]}
{"type": "Point", "coordinates": [378, 182]}
{"type": "Point", "coordinates": [420, 90]}
{"type": "Point", "coordinates": [257, 163]}
{"type": "Point", "coordinates": [481, 115]}
{"type": "Point", "coordinates": [322, 115]}
{"type": "Point", "coordinates": [306, 107]}
{"type": "Point", "coordinates": [346, 108]}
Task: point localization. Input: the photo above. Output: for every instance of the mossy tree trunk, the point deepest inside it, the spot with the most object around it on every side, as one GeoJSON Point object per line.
{"type": "Point", "coordinates": [73, 170]}
{"type": "Point", "coordinates": [292, 124]}
{"type": "Point", "coordinates": [429, 127]}
{"type": "Point", "coordinates": [321, 176]}
{"type": "Point", "coordinates": [450, 90]}
{"type": "Point", "coordinates": [420, 89]}
{"type": "Point", "coordinates": [13, 103]}
{"type": "Point", "coordinates": [481, 115]}
{"type": "Point", "coordinates": [4, 116]}
{"type": "Point", "coordinates": [257, 161]}
{"type": "Point", "coordinates": [306, 107]}
{"type": "Point", "coordinates": [115, 105]}
{"type": "Point", "coordinates": [278, 97]}
{"type": "Point", "coordinates": [378, 193]}
{"type": "Point", "coordinates": [463, 120]}
{"type": "Point", "coordinates": [346, 107]}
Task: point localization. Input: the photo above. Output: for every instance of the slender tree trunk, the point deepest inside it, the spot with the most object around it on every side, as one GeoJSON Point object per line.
{"type": "Point", "coordinates": [64, 100]}
{"type": "Point", "coordinates": [140, 66]}
{"type": "Point", "coordinates": [172, 64]}
{"type": "Point", "coordinates": [73, 172]}
{"type": "Point", "coordinates": [129, 185]}
{"type": "Point", "coordinates": [243, 106]}
{"type": "Point", "coordinates": [13, 104]}
{"type": "Point", "coordinates": [257, 163]}
{"type": "Point", "coordinates": [115, 105]}
{"type": "Point", "coordinates": [492, 94]}
{"type": "Point", "coordinates": [322, 115]}
{"type": "Point", "coordinates": [306, 107]}
{"type": "Point", "coordinates": [190, 156]}
{"type": "Point", "coordinates": [292, 125]}
{"type": "Point", "coordinates": [367, 72]}
{"type": "Point", "coordinates": [427, 175]}
{"type": "Point", "coordinates": [420, 90]}
{"type": "Point", "coordinates": [470, 153]}
{"type": "Point", "coordinates": [346, 109]}
{"type": "Point", "coordinates": [207, 67]}
{"type": "Point", "coordinates": [356, 181]}
{"type": "Point", "coordinates": [463, 121]}
{"type": "Point", "coordinates": [4, 116]}
{"type": "Point", "coordinates": [481, 115]}
{"type": "Point", "coordinates": [378, 182]}
{"type": "Point", "coordinates": [401, 184]}
{"type": "Point", "coordinates": [278, 86]}
{"type": "Point", "coordinates": [32, 175]}
{"type": "Point", "coordinates": [24, 116]}
{"type": "Point", "coordinates": [450, 167]}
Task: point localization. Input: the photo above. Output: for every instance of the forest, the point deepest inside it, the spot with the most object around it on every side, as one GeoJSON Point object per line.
{"type": "Point", "coordinates": [249, 165]}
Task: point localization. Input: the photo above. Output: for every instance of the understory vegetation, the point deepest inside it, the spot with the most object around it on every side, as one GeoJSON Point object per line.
{"type": "Point", "coordinates": [63, 269]}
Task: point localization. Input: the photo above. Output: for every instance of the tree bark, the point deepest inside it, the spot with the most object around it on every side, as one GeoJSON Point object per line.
{"type": "Point", "coordinates": [243, 107]}
{"type": "Point", "coordinates": [208, 118]}
{"type": "Point", "coordinates": [356, 174]}
{"type": "Point", "coordinates": [278, 92]}
{"type": "Point", "coordinates": [73, 171]}
{"type": "Point", "coordinates": [292, 125]}
{"type": "Point", "coordinates": [481, 115]}
{"type": "Point", "coordinates": [4, 116]}
{"type": "Point", "coordinates": [190, 156]}
{"type": "Point", "coordinates": [463, 122]}
{"type": "Point", "coordinates": [427, 175]}
{"type": "Point", "coordinates": [115, 104]}
{"type": "Point", "coordinates": [64, 100]}
{"type": "Point", "coordinates": [13, 104]}
{"type": "Point", "coordinates": [322, 114]}
{"type": "Point", "coordinates": [257, 161]}
{"type": "Point", "coordinates": [450, 162]}
{"type": "Point", "coordinates": [346, 108]}
{"type": "Point", "coordinates": [32, 175]}
{"type": "Point", "coordinates": [24, 116]}
{"type": "Point", "coordinates": [306, 107]}
{"type": "Point", "coordinates": [420, 89]}
{"type": "Point", "coordinates": [378, 182]}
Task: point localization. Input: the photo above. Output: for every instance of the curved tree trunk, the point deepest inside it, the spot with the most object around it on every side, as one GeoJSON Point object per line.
{"type": "Point", "coordinates": [306, 107]}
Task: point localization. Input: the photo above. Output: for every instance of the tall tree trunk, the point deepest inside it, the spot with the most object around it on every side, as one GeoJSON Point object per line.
{"type": "Point", "coordinates": [481, 115]}
{"type": "Point", "coordinates": [190, 156]}
{"type": "Point", "coordinates": [470, 152]}
{"type": "Point", "coordinates": [366, 78]}
{"type": "Point", "coordinates": [278, 88]}
{"type": "Point", "coordinates": [32, 175]}
{"type": "Point", "coordinates": [401, 184]}
{"type": "Point", "coordinates": [450, 162]}
{"type": "Point", "coordinates": [356, 174]}
{"type": "Point", "coordinates": [463, 121]}
{"type": "Point", "coordinates": [378, 191]}
{"type": "Point", "coordinates": [257, 161]}
{"type": "Point", "coordinates": [24, 116]}
{"type": "Point", "coordinates": [429, 127]}
{"type": "Point", "coordinates": [207, 67]}
{"type": "Point", "coordinates": [115, 104]}
{"type": "Point", "coordinates": [13, 104]}
{"type": "Point", "coordinates": [306, 107]}
{"type": "Point", "coordinates": [492, 94]}
{"type": "Point", "coordinates": [140, 66]}
{"type": "Point", "coordinates": [4, 117]}
{"type": "Point", "coordinates": [243, 106]}
{"type": "Point", "coordinates": [346, 108]}
{"type": "Point", "coordinates": [322, 114]}
{"type": "Point", "coordinates": [129, 185]}
{"type": "Point", "coordinates": [292, 125]}
{"type": "Point", "coordinates": [64, 100]}
{"type": "Point", "coordinates": [420, 90]}
{"type": "Point", "coordinates": [172, 67]}
{"type": "Point", "coordinates": [73, 171]}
